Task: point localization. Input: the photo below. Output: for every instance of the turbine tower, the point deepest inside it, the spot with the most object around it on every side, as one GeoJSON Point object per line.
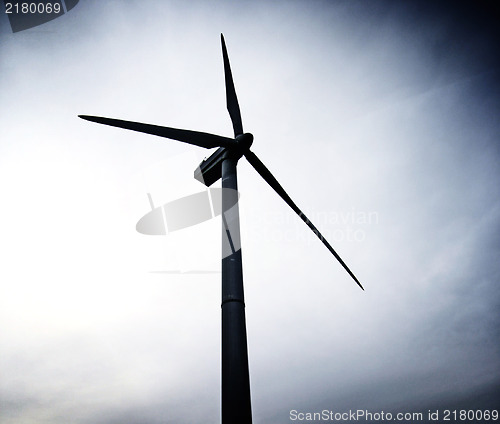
{"type": "Point", "coordinates": [236, 407]}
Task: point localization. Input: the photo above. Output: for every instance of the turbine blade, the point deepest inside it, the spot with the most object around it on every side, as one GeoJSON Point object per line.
{"type": "Point", "coordinates": [191, 137]}
{"type": "Point", "coordinates": [266, 174]}
{"type": "Point", "coordinates": [231, 100]}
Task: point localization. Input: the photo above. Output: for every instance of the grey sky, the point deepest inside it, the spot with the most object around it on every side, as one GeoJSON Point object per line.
{"type": "Point", "coordinates": [380, 119]}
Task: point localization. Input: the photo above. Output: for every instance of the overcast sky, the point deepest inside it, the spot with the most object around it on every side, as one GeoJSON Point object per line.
{"type": "Point", "coordinates": [380, 119]}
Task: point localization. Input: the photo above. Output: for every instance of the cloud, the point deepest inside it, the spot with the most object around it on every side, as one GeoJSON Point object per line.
{"type": "Point", "coordinates": [389, 109]}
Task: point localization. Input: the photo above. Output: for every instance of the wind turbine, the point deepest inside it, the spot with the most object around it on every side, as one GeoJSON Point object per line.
{"type": "Point", "coordinates": [236, 408]}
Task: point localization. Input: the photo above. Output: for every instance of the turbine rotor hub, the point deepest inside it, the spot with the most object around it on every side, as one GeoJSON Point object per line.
{"type": "Point", "coordinates": [244, 141]}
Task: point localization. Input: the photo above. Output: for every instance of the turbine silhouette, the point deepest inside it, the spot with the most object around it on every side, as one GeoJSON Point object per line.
{"type": "Point", "coordinates": [236, 408]}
